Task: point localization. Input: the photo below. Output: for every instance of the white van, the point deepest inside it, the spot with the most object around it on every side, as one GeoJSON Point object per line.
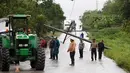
{"type": "Point", "coordinates": [67, 24]}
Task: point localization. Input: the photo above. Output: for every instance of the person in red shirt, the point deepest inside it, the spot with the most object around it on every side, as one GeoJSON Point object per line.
{"type": "Point", "coordinates": [43, 43]}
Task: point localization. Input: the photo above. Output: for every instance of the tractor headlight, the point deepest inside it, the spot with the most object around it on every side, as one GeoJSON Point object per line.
{"type": "Point", "coordinates": [20, 45]}
{"type": "Point", "coordinates": [25, 45]}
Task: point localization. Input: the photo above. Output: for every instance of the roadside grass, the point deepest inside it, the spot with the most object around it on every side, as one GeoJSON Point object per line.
{"type": "Point", "coordinates": [119, 44]}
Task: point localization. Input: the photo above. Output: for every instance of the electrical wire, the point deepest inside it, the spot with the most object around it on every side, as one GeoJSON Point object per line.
{"type": "Point", "coordinates": [72, 8]}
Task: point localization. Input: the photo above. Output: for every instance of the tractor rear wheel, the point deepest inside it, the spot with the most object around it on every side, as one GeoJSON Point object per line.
{"type": "Point", "coordinates": [5, 60]}
{"type": "Point", "coordinates": [40, 62]}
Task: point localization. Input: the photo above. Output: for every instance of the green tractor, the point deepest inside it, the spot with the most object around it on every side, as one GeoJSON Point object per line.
{"type": "Point", "coordinates": [18, 45]}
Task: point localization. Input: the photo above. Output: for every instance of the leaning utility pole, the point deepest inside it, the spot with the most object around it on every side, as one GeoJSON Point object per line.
{"type": "Point", "coordinates": [66, 32]}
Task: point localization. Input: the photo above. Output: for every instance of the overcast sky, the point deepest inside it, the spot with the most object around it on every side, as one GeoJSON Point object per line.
{"type": "Point", "coordinates": [79, 8]}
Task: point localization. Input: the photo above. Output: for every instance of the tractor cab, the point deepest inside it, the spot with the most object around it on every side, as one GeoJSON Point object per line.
{"type": "Point", "coordinates": [19, 23]}
{"type": "Point", "coordinates": [20, 38]}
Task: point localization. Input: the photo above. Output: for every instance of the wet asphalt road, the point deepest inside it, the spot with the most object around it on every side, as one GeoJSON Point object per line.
{"type": "Point", "coordinates": [84, 65]}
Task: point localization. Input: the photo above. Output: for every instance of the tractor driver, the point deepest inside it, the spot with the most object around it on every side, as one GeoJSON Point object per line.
{"type": "Point", "coordinates": [29, 30]}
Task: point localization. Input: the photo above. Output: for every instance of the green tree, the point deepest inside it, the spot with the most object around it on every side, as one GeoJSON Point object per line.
{"type": "Point", "coordinates": [98, 20]}
{"type": "Point", "coordinates": [53, 12]}
{"type": "Point", "coordinates": [115, 13]}
{"type": "Point", "coordinates": [41, 19]}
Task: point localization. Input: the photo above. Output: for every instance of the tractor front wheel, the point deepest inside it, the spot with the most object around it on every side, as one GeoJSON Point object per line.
{"type": "Point", "coordinates": [40, 62]}
{"type": "Point", "coordinates": [5, 60]}
{"type": "Point", "coordinates": [33, 64]}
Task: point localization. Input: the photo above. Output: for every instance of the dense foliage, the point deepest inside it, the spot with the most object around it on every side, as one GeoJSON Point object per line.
{"type": "Point", "coordinates": [114, 13]}
{"type": "Point", "coordinates": [96, 19]}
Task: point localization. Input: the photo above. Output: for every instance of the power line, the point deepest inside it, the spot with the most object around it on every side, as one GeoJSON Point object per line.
{"type": "Point", "coordinates": [72, 8]}
{"type": "Point", "coordinates": [97, 5]}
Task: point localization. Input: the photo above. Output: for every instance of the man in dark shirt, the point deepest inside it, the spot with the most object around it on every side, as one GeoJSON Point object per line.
{"type": "Point", "coordinates": [51, 46]}
{"type": "Point", "coordinates": [100, 49]}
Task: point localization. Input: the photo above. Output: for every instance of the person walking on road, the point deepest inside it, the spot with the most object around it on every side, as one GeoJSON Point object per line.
{"type": "Point", "coordinates": [81, 47]}
{"type": "Point", "coordinates": [71, 49]}
{"type": "Point", "coordinates": [51, 46]}
{"type": "Point", "coordinates": [100, 49]}
{"type": "Point", "coordinates": [56, 49]}
{"type": "Point", "coordinates": [93, 49]}
{"type": "Point", "coordinates": [82, 35]}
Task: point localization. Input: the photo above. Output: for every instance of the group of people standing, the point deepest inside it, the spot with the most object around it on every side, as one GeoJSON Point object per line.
{"type": "Point", "coordinates": [54, 48]}
{"type": "Point", "coordinates": [94, 47]}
